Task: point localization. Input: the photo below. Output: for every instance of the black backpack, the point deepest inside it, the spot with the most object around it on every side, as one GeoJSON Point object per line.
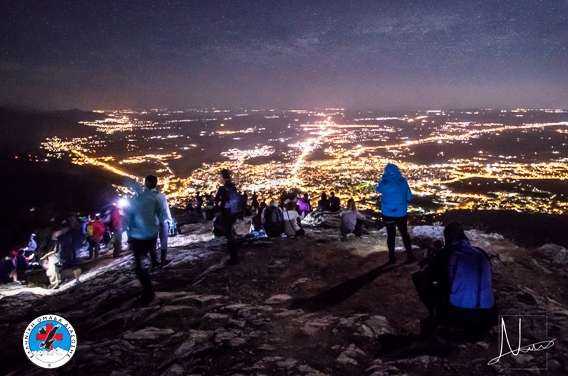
{"type": "Point", "coordinates": [234, 203]}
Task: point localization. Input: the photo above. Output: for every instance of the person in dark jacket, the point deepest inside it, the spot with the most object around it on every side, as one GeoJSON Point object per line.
{"type": "Point", "coordinates": [395, 196]}
{"type": "Point", "coordinates": [273, 220]}
{"type": "Point", "coordinates": [323, 203]}
{"type": "Point", "coordinates": [334, 203]}
{"type": "Point", "coordinates": [455, 286]}
{"type": "Point", "coordinates": [226, 200]}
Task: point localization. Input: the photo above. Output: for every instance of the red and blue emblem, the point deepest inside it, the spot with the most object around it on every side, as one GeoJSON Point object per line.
{"type": "Point", "coordinates": [50, 341]}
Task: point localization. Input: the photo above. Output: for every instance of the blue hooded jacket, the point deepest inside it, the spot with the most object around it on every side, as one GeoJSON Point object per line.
{"type": "Point", "coordinates": [470, 274]}
{"type": "Point", "coordinates": [395, 192]}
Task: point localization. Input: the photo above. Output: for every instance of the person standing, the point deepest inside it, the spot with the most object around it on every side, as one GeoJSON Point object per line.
{"type": "Point", "coordinates": [229, 202]}
{"type": "Point", "coordinates": [143, 218]}
{"type": "Point", "coordinates": [164, 227]}
{"type": "Point", "coordinates": [395, 196]}
{"type": "Point", "coordinates": [116, 227]}
{"type": "Point", "coordinates": [96, 231]}
{"type": "Point", "coordinates": [199, 206]}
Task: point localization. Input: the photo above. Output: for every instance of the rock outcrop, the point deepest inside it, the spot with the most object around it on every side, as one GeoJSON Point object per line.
{"type": "Point", "coordinates": [305, 306]}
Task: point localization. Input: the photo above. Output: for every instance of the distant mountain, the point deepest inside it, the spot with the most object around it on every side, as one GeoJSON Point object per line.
{"type": "Point", "coordinates": [22, 129]}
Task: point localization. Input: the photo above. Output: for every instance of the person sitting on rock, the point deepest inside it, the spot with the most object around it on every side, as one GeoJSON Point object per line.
{"type": "Point", "coordinates": [351, 220]}
{"type": "Point", "coordinates": [291, 218]}
{"type": "Point", "coordinates": [273, 220]}
{"type": "Point", "coordinates": [456, 285]}
{"type": "Point", "coordinates": [304, 205]}
{"type": "Point", "coordinates": [323, 203]}
{"type": "Point", "coordinates": [334, 203]}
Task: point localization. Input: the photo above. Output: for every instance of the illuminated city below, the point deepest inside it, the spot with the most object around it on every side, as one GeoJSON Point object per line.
{"type": "Point", "coordinates": [477, 159]}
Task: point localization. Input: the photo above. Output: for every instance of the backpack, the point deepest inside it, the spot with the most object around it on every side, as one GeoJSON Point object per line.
{"type": "Point", "coordinates": [235, 201]}
{"type": "Point", "coordinates": [471, 275]}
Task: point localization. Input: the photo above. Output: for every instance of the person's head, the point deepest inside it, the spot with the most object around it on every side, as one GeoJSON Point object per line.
{"type": "Point", "coordinates": [151, 182]}
{"type": "Point", "coordinates": [332, 194]}
{"type": "Point", "coordinates": [289, 205]}
{"type": "Point", "coordinates": [392, 172]}
{"type": "Point", "coordinates": [306, 197]}
{"type": "Point", "coordinates": [453, 233]}
{"type": "Point", "coordinates": [351, 204]}
{"type": "Point", "coordinates": [324, 196]}
{"type": "Point", "coordinates": [225, 175]}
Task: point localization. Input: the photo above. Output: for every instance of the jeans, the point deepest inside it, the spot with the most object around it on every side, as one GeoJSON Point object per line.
{"type": "Point", "coordinates": [392, 223]}
{"type": "Point", "coordinates": [141, 248]}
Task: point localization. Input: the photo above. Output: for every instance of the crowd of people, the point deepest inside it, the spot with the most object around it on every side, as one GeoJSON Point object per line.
{"type": "Point", "coordinates": [454, 280]}
{"type": "Point", "coordinates": [73, 240]}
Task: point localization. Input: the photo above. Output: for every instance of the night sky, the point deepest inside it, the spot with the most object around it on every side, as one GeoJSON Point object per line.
{"type": "Point", "coordinates": [357, 54]}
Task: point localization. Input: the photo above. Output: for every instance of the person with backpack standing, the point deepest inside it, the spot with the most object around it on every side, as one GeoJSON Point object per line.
{"type": "Point", "coordinates": [273, 220]}
{"type": "Point", "coordinates": [96, 231]}
{"type": "Point", "coordinates": [143, 217]}
{"type": "Point", "coordinates": [229, 202]}
{"type": "Point", "coordinates": [395, 196]}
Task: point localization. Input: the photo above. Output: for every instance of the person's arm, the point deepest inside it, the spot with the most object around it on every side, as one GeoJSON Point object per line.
{"type": "Point", "coordinates": [379, 187]}
{"type": "Point", "coordinates": [159, 210]}
{"type": "Point", "coordinates": [218, 197]}
{"type": "Point", "coordinates": [263, 216]}
{"type": "Point", "coordinates": [166, 208]}
{"type": "Point", "coordinates": [408, 193]}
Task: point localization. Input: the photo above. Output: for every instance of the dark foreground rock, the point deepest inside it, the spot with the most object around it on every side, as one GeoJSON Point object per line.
{"type": "Point", "coordinates": [309, 306]}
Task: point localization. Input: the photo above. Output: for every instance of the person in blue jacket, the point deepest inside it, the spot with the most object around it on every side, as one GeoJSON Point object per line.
{"type": "Point", "coordinates": [144, 214]}
{"type": "Point", "coordinates": [395, 196]}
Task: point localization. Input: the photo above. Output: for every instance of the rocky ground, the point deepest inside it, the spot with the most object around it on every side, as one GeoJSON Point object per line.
{"type": "Point", "coordinates": [308, 306]}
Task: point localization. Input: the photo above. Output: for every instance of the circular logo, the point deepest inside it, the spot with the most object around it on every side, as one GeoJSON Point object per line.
{"type": "Point", "coordinates": [50, 341]}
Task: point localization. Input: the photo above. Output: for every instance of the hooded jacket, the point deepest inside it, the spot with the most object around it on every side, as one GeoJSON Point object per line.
{"type": "Point", "coordinates": [395, 192]}
{"type": "Point", "coordinates": [470, 275]}
{"type": "Point", "coordinates": [144, 214]}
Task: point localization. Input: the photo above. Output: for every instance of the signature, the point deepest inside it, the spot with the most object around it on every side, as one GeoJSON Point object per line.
{"type": "Point", "coordinates": [533, 347]}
